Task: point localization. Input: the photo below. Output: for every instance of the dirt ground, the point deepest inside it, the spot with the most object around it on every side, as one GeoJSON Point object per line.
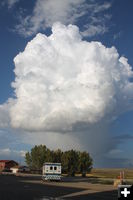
{"type": "Point", "coordinates": [33, 188]}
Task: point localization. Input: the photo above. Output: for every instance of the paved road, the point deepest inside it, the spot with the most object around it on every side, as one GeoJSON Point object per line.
{"type": "Point", "coordinates": [31, 188]}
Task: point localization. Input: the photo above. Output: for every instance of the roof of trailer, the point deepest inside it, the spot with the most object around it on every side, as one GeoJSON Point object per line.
{"type": "Point", "coordinates": [47, 163]}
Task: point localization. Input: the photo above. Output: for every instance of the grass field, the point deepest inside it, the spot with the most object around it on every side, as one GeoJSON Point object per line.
{"type": "Point", "coordinates": [108, 176]}
{"type": "Point", "coordinates": [111, 173]}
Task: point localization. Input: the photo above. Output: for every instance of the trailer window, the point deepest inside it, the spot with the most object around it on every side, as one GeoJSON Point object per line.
{"type": "Point", "coordinates": [55, 168]}
{"type": "Point", "coordinates": [51, 168]}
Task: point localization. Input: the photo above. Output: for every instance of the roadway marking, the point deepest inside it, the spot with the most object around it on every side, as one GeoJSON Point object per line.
{"type": "Point", "coordinates": [125, 192]}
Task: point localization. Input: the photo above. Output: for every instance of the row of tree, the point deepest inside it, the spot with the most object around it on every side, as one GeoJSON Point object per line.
{"type": "Point", "coordinates": [72, 161]}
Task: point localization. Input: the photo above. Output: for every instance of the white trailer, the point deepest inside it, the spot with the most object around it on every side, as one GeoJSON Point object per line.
{"type": "Point", "coordinates": [51, 171]}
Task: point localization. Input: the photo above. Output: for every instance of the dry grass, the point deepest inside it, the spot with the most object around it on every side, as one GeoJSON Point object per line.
{"type": "Point", "coordinates": [111, 173]}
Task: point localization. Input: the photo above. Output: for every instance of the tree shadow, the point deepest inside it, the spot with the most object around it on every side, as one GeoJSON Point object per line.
{"type": "Point", "coordinates": [93, 180]}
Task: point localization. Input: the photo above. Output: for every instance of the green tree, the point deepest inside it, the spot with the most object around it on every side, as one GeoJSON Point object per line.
{"type": "Point", "coordinates": [85, 163]}
{"type": "Point", "coordinates": [28, 159]}
{"type": "Point", "coordinates": [70, 160]}
{"type": "Point", "coordinates": [37, 156]}
{"type": "Point", "coordinates": [49, 156]}
{"type": "Point", "coordinates": [57, 155]}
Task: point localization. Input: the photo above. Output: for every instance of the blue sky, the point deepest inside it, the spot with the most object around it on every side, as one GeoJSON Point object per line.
{"type": "Point", "coordinates": [109, 22]}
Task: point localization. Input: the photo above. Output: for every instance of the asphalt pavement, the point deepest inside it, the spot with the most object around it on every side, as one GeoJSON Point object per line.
{"type": "Point", "coordinates": [32, 188]}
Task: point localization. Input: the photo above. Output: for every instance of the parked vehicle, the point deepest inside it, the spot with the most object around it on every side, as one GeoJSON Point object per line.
{"type": "Point", "coordinates": [51, 171]}
{"type": "Point", "coordinates": [24, 169]}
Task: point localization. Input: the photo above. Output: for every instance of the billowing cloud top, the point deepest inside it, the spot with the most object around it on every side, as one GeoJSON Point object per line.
{"type": "Point", "coordinates": [62, 80]}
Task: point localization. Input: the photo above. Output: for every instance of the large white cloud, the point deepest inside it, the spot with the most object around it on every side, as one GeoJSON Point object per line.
{"type": "Point", "coordinates": [62, 81]}
{"type": "Point", "coordinates": [64, 84]}
{"type": "Point", "coordinates": [4, 113]}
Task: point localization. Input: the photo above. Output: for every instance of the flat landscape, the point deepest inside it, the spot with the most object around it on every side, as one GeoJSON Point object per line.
{"type": "Point", "coordinates": [33, 188]}
{"type": "Point", "coordinates": [112, 173]}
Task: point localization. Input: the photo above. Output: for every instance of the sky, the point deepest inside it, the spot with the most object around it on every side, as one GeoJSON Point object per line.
{"type": "Point", "coordinates": [66, 78]}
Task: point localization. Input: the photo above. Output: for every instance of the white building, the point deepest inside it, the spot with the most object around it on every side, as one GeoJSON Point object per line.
{"type": "Point", "coordinates": [14, 169]}
{"type": "Point", "coordinates": [21, 169]}
{"type": "Point", "coordinates": [51, 171]}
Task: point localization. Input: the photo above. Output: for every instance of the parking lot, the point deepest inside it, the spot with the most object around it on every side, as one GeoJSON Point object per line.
{"type": "Point", "coordinates": [33, 188]}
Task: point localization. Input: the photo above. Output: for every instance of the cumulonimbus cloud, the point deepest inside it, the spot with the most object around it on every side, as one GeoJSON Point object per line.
{"type": "Point", "coordinates": [62, 80]}
{"type": "Point", "coordinates": [64, 84]}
